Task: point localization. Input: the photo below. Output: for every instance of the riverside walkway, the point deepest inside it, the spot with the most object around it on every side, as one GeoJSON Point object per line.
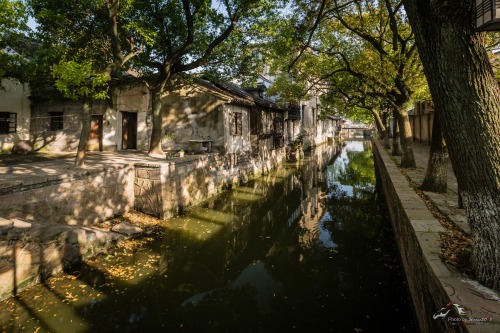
{"type": "Point", "coordinates": [446, 203]}
{"type": "Point", "coordinates": [431, 249]}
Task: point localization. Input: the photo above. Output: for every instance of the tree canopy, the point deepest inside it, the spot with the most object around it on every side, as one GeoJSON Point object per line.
{"type": "Point", "coordinates": [13, 48]}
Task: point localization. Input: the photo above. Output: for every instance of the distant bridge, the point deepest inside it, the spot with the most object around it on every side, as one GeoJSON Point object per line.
{"type": "Point", "coordinates": [367, 130]}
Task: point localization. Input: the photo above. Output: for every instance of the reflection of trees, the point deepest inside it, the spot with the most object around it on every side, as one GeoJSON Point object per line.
{"type": "Point", "coordinates": [356, 171]}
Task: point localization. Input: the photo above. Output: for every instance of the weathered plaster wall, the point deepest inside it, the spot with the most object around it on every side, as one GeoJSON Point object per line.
{"type": "Point", "coordinates": [136, 99]}
{"type": "Point", "coordinates": [431, 283]}
{"type": "Point", "coordinates": [189, 114]}
{"type": "Point", "coordinates": [60, 140]}
{"type": "Point", "coordinates": [237, 144]}
{"type": "Point", "coordinates": [14, 99]}
{"type": "Point", "coordinates": [421, 121]}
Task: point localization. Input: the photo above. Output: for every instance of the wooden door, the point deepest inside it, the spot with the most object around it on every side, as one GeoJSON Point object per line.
{"type": "Point", "coordinates": [129, 130]}
{"type": "Point", "coordinates": [95, 136]}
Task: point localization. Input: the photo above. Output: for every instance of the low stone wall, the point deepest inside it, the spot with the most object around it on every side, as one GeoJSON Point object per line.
{"type": "Point", "coordinates": [164, 189]}
{"type": "Point", "coordinates": [432, 284]}
{"type": "Point", "coordinates": [81, 199]}
{"type": "Point", "coordinates": [46, 223]}
{"type": "Point", "coordinates": [29, 252]}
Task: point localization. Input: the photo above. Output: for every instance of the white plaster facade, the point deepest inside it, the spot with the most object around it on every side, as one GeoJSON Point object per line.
{"type": "Point", "coordinates": [15, 103]}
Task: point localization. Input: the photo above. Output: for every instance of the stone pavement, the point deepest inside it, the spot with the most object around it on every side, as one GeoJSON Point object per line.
{"type": "Point", "coordinates": [446, 203]}
{"type": "Point", "coordinates": [29, 171]}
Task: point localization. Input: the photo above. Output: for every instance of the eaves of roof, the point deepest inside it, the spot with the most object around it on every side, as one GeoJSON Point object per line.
{"type": "Point", "coordinates": [217, 90]}
{"type": "Point", "coordinates": [259, 101]}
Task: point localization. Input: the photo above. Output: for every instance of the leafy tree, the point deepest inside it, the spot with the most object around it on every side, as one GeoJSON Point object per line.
{"type": "Point", "coordinates": [185, 36]}
{"type": "Point", "coordinates": [372, 43]}
{"type": "Point", "coordinates": [13, 20]}
{"type": "Point", "coordinates": [84, 46]}
{"type": "Point", "coordinates": [466, 93]}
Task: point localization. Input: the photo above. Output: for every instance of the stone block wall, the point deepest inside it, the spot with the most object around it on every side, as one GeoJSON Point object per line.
{"type": "Point", "coordinates": [432, 284]}
{"type": "Point", "coordinates": [27, 257]}
{"type": "Point", "coordinates": [163, 189]}
{"type": "Point", "coordinates": [46, 224]}
{"type": "Point", "coordinates": [81, 199]}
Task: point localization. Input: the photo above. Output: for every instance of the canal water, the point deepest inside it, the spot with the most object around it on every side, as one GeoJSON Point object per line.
{"type": "Point", "coordinates": [308, 248]}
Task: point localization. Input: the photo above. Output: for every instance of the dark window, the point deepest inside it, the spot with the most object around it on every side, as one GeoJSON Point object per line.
{"type": "Point", "coordinates": [8, 122]}
{"type": "Point", "coordinates": [237, 123]}
{"type": "Point", "coordinates": [56, 121]}
{"type": "Point", "coordinates": [278, 125]}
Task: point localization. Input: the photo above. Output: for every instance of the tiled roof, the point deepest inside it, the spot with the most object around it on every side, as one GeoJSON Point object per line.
{"type": "Point", "coordinates": [238, 94]}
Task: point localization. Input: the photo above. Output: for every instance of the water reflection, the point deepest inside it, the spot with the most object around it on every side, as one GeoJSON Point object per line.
{"type": "Point", "coordinates": [307, 248]}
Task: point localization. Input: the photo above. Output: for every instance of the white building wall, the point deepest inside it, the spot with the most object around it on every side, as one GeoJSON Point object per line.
{"type": "Point", "coordinates": [136, 100]}
{"type": "Point", "coordinates": [237, 143]}
{"type": "Point", "coordinates": [14, 99]}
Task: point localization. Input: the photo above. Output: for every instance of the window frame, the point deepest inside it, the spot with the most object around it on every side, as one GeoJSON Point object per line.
{"type": "Point", "coordinates": [237, 124]}
{"type": "Point", "coordinates": [56, 121]}
{"type": "Point", "coordinates": [11, 119]}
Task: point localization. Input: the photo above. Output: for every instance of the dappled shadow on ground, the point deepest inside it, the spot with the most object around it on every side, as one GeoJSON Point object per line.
{"type": "Point", "coordinates": [15, 159]}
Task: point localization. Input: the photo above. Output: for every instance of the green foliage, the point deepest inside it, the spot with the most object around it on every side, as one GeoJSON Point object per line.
{"type": "Point", "coordinates": [13, 18]}
{"type": "Point", "coordinates": [78, 80]}
{"type": "Point", "coordinates": [359, 56]}
{"type": "Point", "coordinates": [84, 45]}
{"type": "Point", "coordinates": [213, 38]}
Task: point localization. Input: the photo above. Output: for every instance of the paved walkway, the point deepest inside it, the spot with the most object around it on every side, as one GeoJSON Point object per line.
{"type": "Point", "coordinates": [46, 167]}
{"type": "Point", "coordinates": [447, 203]}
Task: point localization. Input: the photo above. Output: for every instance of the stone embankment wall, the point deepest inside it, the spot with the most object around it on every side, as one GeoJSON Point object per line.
{"type": "Point", "coordinates": [164, 189]}
{"type": "Point", "coordinates": [80, 199]}
{"type": "Point", "coordinates": [48, 224]}
{"type": "Point", "coordinates": [432, 284]}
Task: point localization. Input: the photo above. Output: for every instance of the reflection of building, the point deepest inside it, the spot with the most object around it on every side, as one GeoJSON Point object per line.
{"type": "Point", "coordinates": [314, 186]}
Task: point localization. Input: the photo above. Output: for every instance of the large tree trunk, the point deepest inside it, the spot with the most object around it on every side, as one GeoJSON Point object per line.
{"type": "Point", "coordinates": [407, 159]}
{"type": "Point", "coordinates": [436, 176]}
{"type": "Point", "coordinates": [84, 134]}
{"type": "Point", "coordinates": [467, 96]}
{"type": "Point", "coordinates": [157, 120]}
{"type": "Point", "coordinates": [396, 138]}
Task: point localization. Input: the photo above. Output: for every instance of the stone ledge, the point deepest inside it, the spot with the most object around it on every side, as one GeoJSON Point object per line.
{"type": "Point", "coordinates": [32, 251]}
{"type": "Point", "coordinates": [432, 283]}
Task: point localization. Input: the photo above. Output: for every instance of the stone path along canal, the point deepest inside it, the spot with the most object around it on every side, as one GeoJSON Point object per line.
{"type": "Point", "coordinates": [308, 248]}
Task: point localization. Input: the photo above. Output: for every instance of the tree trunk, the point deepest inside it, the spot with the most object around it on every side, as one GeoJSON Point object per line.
{"type": "Point", "coordinates": [407, 158]}
{"type": "Point", "coordinates": [465, 92]}
{"type": "Point", "coordinates": [396, 138]}
{"type": "Point", "coordinates": [436, 176]}
{"type": "Point", "coordinates": [84, 134]}
{"type": "Point", "coordinates": [385, 119]}
{"type": "Point", "coordinates": [157, 120]}
{"type": "Point", "coordinates": [460, 203]}
{"type": "Point", "coordinates": [379, 124]}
